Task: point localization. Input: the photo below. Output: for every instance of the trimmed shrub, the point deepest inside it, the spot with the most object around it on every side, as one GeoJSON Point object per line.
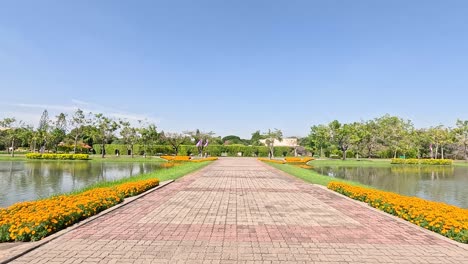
{"type": "Point", "coordinates": [187, 150]}
{"type": "Point", "coordinates": [423, 161]}
{"type": "Point", "coordinates": [53, 156]}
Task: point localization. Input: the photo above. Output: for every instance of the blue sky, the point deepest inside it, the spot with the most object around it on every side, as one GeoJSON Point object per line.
{"type": "Point", "coordinates": [234, 67]}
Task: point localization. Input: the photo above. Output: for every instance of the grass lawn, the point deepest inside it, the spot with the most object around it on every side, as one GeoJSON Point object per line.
{"type": "Point", "coordinates": [310, 175]}
{"type": "Point", "coordinates": [7, 157]}
{"type": "Point", "coordinates": [172, 173]}
{"type": "Point", "coordinates": [461, 163]}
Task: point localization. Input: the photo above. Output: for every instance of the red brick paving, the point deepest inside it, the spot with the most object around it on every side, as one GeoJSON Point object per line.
{"type": "Point", "coordinates": [239, 210]}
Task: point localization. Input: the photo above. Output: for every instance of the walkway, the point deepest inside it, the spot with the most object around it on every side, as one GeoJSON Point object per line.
{"type": "Point", "coordinates": [239, 210]}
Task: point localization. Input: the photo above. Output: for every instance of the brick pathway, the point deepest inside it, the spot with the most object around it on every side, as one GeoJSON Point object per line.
{"type": "Point", "coordinates": [239, 210]}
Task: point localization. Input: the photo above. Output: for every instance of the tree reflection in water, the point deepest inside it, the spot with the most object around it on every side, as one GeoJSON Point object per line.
{"type": "Point", "coordinates": [31, 180]}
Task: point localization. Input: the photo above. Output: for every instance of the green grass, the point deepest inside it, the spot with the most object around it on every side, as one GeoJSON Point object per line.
{"type": "Point", "coordinates": [162, 174]}
{"type": "Point", "coordinates": [7, 157]}
{"type": "Point", "coordinates": [310, 175]}
{"type": "Point", "coordinates": [460, 163]}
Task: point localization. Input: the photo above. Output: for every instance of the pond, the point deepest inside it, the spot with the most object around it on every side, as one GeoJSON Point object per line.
{"type": "Point", "coordinates": [436, 183]}
{"type": "Point", "coordinates": [32, 180]}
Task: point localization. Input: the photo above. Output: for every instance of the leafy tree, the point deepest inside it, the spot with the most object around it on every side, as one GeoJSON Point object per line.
{"type": "Point", "coordinates": [461, 136]}
{"type": "Point", "coordinates": [43, 130]}
{"type": "Point", "coordinates": [392, 131]}
{"type": "Point", "coordinates": [11, 133]}
{"type": "Point", "coordinates": [342, 135]}
{"type": "Point", "coordinates": [105, 127]}
{"type": "Point", "coordinates": [255, 139]}
{"type": "Point", "coordinates": [370, 137]}
{"type": "Point", "coordinates": [232, 139]}
{"type": "Point", "coordinates": [59, 131]}
{"type": "Point", "coordinates": [270, 138]}
{"type": "Point", "coordinates": [320, 136]}
{"type": "Point", "coordinates": [440, 137]}
{"type": "Point", "coordinates": [148, 136]}
{"type": "Point", "coordinates": [129, 135]}
{"type": "Point", "coordinates": [175, 140]}
{"type": "Point", "coordinates": [78, 123]}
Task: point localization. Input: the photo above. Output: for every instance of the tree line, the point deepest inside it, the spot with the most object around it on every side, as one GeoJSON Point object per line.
{"type": "Point", "coordinates": [388, 137]}
{"type": "Point", "coordinates": [81, 131]}
{"type": "Point", "coordinates": [383, 137]}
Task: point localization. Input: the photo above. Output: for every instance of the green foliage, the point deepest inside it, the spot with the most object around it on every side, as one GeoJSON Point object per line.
{"type": "Point", "coordinates": [423, 161]}
{"type": "Point", "coordinates": [54, 156]}
{"type": "Point", "coordinates": [187, 150]}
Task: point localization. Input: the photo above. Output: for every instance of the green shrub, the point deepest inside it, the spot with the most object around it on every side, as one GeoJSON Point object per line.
{"type": "Point", "coordinates": [423, 161]}
{"type": "Point", "coordinates": [53, 156]}
{"type": "Point", "coordinates": [187, 150]}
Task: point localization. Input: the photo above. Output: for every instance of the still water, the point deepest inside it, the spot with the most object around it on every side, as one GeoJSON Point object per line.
{"type": "Point", "coordinates": [436, 183]}
{"type": "Point", "coordinates": [24, 181]}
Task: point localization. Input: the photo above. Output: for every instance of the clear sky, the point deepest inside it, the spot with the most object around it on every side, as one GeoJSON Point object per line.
{"type": "Point", "coordinates": [234, 67]}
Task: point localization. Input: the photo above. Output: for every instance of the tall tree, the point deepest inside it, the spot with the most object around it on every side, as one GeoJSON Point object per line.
{"type": "Point", "coordinates": [129, 135]}
{"type": "Point", "coordinates": [78, 123]}
{"type": "Point", "coordinates": [105, 130]}
{"type": "Point", "coordinates": [11, 133]}
{"type": "Point", "coordinates": [148, 136]}
{"type": "Point", "coordinates": [175, 140]}
{"type": "Point", "coordinates": [370, 137]}
{"type": "Point", "coordinates": [43, 130]}
{"type": "Point", "coordinates": [341, 136]}
{"type": "Point", "coordinates": [255, 139]}
{"type": "Point", "coordinates": [320, 138]}
{"type": "Point", "coordinates": [270, 138]}
{"type": "Point", "coordinates": [461, 135]}
{"type": "Point", "coordinates": [392, 131]}
{"type": "Point", "coordinates": [59, 131]}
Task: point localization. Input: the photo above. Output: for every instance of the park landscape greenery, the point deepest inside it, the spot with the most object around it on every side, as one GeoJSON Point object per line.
{"type": "Point", "coordinates": [34, 220]}
{"type": "Point", "coordinates": [82, 134]}
{"type": "Point", "coordinates": [382, 137]}
{"type": "Point", "coordinates": [447, 220]}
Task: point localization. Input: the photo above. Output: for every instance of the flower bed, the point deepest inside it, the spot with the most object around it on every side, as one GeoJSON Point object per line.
{"type": "Point", "coordinates": [176, 158]}
{"type": "Point", "coordinates": [423, 161]}
{"type": "Point", "coordinates": [57, 156]}
{"type": "Point", "coordinates": [447, 220]}
{"type": "Point", "coordinates": [272, 160]}
{"type": "Point", "coordinates": [297, 159]}
{"type": "Point", "coordinates": [31, 221]}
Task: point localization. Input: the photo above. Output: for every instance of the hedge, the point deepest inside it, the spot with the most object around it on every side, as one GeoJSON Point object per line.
{"type": "Point", "coordinates": [423, 161]}
{"type": "Point", "coordinates": [187, 150]}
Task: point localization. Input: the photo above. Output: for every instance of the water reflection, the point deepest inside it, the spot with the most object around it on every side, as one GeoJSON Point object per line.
{"type": "Point", "coordinates": [437, 183]}
{"type": "Point", "coordinates": [21, 181]}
